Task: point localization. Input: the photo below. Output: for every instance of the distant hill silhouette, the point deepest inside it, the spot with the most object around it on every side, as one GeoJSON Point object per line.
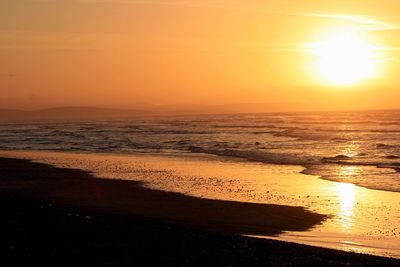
{"type": "Point", "coordinates": [144, 110]}
{"type": "Point", "coordinates": [85, 113]}
{"type": "Point", "coordinates": [67, 113]}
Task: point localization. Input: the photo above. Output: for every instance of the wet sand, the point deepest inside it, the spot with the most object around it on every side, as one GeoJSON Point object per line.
{"type": "Point", "coordinates": [77, 188]}
{"type": "Point", "coordinates": [64, 216]}
{"type": "Point", "coordinates": [361, 220]}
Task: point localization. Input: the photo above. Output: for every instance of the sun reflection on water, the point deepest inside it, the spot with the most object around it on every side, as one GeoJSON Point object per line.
{"type": "Point", "coordinates": [350, 149]}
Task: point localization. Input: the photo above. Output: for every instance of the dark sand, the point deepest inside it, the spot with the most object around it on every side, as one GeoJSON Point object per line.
{"type": "Point", "coordinates": [76, 188]}
{"type": "Point", "coordinates": [53, 216]}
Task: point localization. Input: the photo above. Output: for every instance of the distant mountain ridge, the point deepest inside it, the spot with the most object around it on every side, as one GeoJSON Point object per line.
{"type": "Point", "coordinates": [85, 113]}
{"type": "Point", "coordinates": [67, 113]}
{"type": "Point", "coordinates": [101, 113]}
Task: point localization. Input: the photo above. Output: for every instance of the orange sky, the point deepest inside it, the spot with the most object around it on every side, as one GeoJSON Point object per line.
{"type": "Point", "coordinates": [124, 52]}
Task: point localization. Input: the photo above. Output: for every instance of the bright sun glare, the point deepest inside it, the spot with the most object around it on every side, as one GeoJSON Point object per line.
{"type": "Point", "coordinates": [344, 59]}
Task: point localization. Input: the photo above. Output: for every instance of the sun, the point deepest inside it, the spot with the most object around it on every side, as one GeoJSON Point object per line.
{"type": "Point", "coordinates": [344, 59]}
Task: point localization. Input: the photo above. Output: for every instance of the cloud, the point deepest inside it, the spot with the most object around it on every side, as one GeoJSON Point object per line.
{"type": "Point", "coordinates": [8, 75]}
{"type": "Point", "coordinates": [369, 23]}
{"type": "Point", "coordinates": [194, 4]}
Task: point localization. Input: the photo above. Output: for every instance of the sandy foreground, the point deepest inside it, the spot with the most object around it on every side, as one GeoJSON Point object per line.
{"type": "Point", "coordinates": [68, 215]}
{"type": "Point", "coordinates": [360, 219]}
{"type": "Point", "coordinates": [76, 188]}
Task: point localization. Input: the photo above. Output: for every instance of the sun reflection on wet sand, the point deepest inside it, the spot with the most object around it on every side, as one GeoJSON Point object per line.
{"type": "Point", "coordinates": [347, 199]}
{"type": "Point", "coordinates": [347, 196]}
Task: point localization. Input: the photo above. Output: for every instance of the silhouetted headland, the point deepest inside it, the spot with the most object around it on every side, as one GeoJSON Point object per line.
{"type": "Point", "coordinates": [67, 113]}
{"type": "Point", "coordinates": [142, 110]}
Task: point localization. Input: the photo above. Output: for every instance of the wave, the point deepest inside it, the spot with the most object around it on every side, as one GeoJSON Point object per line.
{"type": "Point", "coordinates": [385, 178]}
{"type": "Point", "coordinates": [327, 168]}
{"type": "Point", "coordinates": [256, 155]}
{"type": "Point", "coordinates": [268, 126]}
{"type": "Point", "coordinates": [384, 146]}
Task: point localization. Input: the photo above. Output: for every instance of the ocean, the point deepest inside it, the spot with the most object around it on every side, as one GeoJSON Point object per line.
{"type": "Point", "coordinates": [362, 148]}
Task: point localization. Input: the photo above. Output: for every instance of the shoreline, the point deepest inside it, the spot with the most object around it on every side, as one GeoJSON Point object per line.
{"type": "Point", "coordinates": [357, 222]}
{"type": "Point", "coordinates": [307, 168]}
{"type": "Point", "coordinates": [77, 188]}
{"type": "Point", "coordinates": [52, 197]}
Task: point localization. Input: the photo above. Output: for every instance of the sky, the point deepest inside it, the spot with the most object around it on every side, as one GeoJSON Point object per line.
{"type": "Point", "coordinates": [123, 53]}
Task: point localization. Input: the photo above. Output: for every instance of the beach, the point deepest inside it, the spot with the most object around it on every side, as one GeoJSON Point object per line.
{"type": "Point", "coordinates": [75, 188]}
{"type": "Point", "coordinates": [357, 219]}
{"type": "Point", "coordinates": [64, 216]}
{"type": "Point", "coordinates": [321, 179]}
